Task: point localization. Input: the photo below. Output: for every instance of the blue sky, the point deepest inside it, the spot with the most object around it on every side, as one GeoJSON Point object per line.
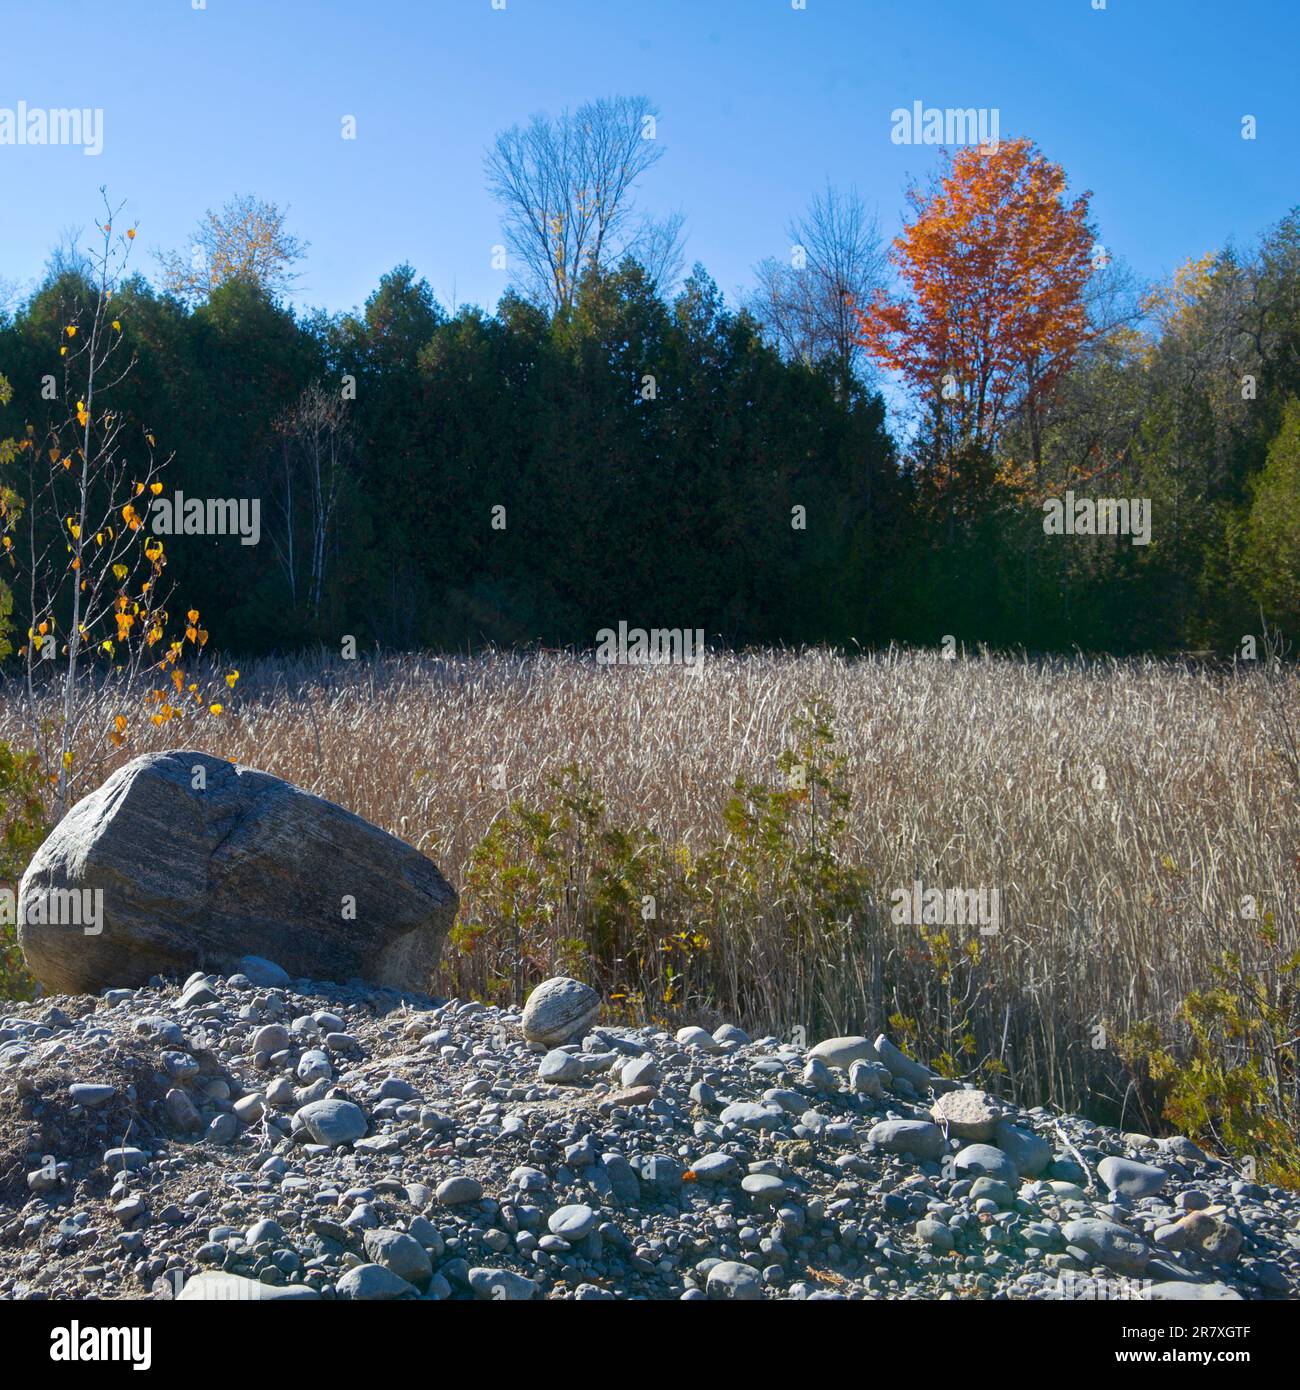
{"type": "Point", "coordinates": [760, 104]}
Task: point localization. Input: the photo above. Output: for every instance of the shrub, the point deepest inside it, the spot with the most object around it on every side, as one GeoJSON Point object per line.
{"type": "Point", "coordinates": [23, 825]}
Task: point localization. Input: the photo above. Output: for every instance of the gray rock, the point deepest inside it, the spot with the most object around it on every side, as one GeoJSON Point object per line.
{"type": "Point", "coordinates": [901, 1065]}
{"type": "Point", "coordinates": [623, 1181]}
{"type": "Point", "coordinates": [374, 1284]}
{"type": "Point", "coordinates": [936, 1235]}
{"type": "Point", "coordinates": [1030, 1153]}
{"type": "Point", "coordinates": [763, 1189]}
{"type": "Point", "coordinates": [457, 1191]}
{"type": "Point", "coordinates": [247, 861]}
{"type": "Point", "coordinates": [977, 1160]}
{"type": "Point", "coordinates": [270, 1038]}
{"type": "Point", "coordinates": [919, 1138]}
{"type": "Point", "coordinates": [970, 1115]}
{"type": "Point", "coordinates": [1131, 1179]}
{"type": "Point", "coordinates": [1112, 1245]}
{"type": "Point", "coordinates": [699, 1038]}
{"type": "Point", "coordinates": [729, 1279]}
{"type": "Point", "coordinates": [181, 1112]}
{"type": "Point", "coordinates": [749, 1115]}
{"type": "Point", "coordinates": [266, 974]}
{"type": "Point", "coordinates": [401, 1254]}
{"type": "Point", "coordinates": [843, 1052]}
{"type": "Point", "coordinates": [197, 994]}
{"type": "Point", "coordinates": [222, 1129]}
{"type": "Point", "coordinates": [715, 1167]}
{"type": "Point", "coordinates": [333, 1121]}
{"type": "Point", "coordinates": [90, 1095]}
{"type": "Point", "coordinates": [868, 1078]}
{"type": "Point", "coordinates": [214, 1287]}
{"type": "Point", "coordinates": [1179, 1291]}
{"type": "Point", "coordinates": [560, 1068]}
{"type": "Point", "coordinates": [559, 1010]}
{"type": "Point", "coordinates": [640, 1071]}
{"type": "Point", "coordinates": [125, 1157]}
{"type": "Point", "coordinates": [572, 1223]}
{"type": "Point", "coordinates": [501, 1285]}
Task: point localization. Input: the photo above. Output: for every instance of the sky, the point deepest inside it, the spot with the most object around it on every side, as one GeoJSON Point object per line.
{"type": "Point", "coordinates": [761, 104]}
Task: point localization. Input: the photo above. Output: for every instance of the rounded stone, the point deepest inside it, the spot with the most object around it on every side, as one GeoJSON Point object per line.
{"type": "Point", "coordinates": [558, 1010]}
{"type": "Point", "coordinates": [843, 1052]}
{"type": "Point", "coordinates": [763, 1189]}
{"type": "Point", "coordinates": [454, 1192]}
{"type": "Point", "coordinates": [1028, 1151]}
{"type": "Point", "coordinates": [983, 1160]}
{"type": "Point", "coordinates": [732, 1280]}
{"type": "Point", "coordinates": [971, 1116]}
{"type": "Point", "coordinates": [715, 1167]}
{"type": "Point", "coordinates": [373, 1284]}
{"type": "Point", "coordinates": [1131, 1179]}
{"type": "Point", "coordinates": [572, 1223]}
{"type": "Point", "coordinates": [333, 1121]}
{"type": "Point", "coordinates": [919, 1138]}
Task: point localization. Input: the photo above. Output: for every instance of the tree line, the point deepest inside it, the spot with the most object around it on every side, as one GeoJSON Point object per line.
{"type": "Point", "coordinates": [615, 442]}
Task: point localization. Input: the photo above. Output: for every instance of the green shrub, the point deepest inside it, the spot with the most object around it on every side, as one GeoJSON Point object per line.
{"type": "Point", "coordinates": [23, 825]}
{"type": "Point", "coordinates": [1232, 1082]}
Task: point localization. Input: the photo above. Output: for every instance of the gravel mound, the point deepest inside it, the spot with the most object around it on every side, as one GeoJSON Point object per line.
{"type": "Point", "coordinates": [229, 1139]}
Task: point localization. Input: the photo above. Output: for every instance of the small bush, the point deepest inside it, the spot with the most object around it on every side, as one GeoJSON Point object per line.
{"type": "Point", "coordinates": [1233, 1081]}
{"type": "Point", "coordinates": [23, 825]}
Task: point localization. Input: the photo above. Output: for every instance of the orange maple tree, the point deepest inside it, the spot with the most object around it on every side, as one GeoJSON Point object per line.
{"type": "Point", "coordinates": [993, 265]}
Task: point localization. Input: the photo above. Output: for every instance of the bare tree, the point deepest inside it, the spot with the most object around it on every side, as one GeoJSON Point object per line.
{"type": "Point", "coordinates": [245, 240]}
{"type": "Point", "coordinates": [316, 453]}
{"type": "Point", "coordinates": [565, 186]}
{"type": "Point", "coordinates": [804, 302]}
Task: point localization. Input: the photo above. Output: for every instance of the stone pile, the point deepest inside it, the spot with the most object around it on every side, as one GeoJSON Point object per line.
{"type": "Point", "coordinates": [249, 1135]}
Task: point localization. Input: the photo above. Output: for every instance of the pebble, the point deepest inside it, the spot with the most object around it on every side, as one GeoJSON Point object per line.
{"type": "Point", "coordinates": [920, 1138]}
{"type": "Point", "coordinates": [1130, 1179]}
{"type": "Point", "coordinates": [738, 1168]}
{"type": "Point", "coordinates": [456, 1191]}
{"type": "Point", "coordinates": [841, 1053]}
{"type": "Point", "coordinates": [572, 1223]}
{"type": "Point", "coordinates": [729, 1279]}
{"type": "Point", "coordinates": [333, 1121]}
{"type": "Point", "coordinates": [374, 1283]}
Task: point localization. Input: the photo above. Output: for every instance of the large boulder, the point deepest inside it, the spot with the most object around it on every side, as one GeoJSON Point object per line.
{"type": "Point", "coordinates": [201, 862]}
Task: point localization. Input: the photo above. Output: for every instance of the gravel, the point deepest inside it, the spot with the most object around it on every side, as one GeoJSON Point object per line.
{"type": "Point", "coordinates": [296, 1139]}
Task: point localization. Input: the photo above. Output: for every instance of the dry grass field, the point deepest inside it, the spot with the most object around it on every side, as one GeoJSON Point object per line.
{"type": "Point", "coordinates": [1128, 814]}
